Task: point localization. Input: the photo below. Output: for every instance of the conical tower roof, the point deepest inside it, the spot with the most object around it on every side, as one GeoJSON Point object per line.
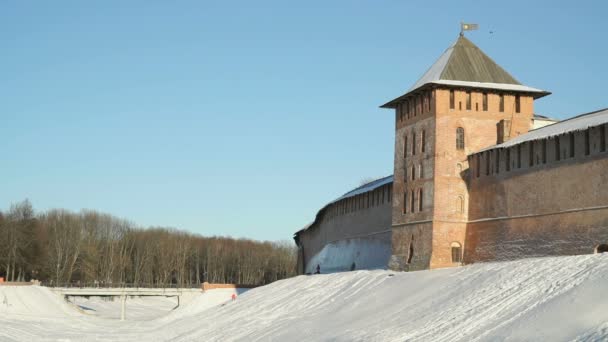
{"type": "Point", "coordinates": [463, 64]}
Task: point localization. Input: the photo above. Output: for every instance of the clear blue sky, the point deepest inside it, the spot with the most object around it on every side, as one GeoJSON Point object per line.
{"type": "Point", "coordinates": [244, 118]}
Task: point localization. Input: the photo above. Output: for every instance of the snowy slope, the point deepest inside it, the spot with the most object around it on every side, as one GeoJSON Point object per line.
{"type": "Point", "coordinates": [547, 299]}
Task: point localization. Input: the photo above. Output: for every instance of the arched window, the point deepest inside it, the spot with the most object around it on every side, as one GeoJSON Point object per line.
{"type": "Point", "coordinates": [460, 138]}
{"type": "Point", "coordinates": [460, 205]}
{"type": "Point", "coordinates": [603, 248]}
{"type": "Point", "coordinates": [419, 199]}
{"type": "Point", "coordinates": [456, 253]}
{"type": "Point", "coordinates": [458, 169]}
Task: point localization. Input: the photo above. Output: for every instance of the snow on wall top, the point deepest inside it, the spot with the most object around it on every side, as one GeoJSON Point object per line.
{"type": "Point", "coordinates": [577, 123]}
{"type": "Point", "coordinates": [367, 187]}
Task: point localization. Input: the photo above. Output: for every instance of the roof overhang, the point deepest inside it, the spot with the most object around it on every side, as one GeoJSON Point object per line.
{"type": "Point", "coordinates": [503, 87]}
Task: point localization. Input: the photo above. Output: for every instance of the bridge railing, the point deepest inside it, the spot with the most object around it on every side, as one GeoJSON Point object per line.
{"type": "Point", "coordinates": [108, 285]}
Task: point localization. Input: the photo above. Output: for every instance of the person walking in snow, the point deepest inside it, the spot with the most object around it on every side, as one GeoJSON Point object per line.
{"type": "Point", "coordinates": [233, 297]}
{"type": "Point", "coordinates": [318, 269]}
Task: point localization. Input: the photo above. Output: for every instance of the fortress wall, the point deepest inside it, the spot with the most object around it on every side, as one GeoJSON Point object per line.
{"type": "Point", "coordinates": [353, 226]}
{"type": "Point", "coordinates": [559, 207]}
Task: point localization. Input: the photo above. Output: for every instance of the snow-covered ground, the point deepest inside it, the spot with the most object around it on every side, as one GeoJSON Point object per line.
{"type": "Point", "coordinates": [543, 299]}
{"type": "Point", "coordinates": [138, 308]}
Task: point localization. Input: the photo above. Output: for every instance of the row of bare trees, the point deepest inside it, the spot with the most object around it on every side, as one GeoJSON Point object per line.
{"type": "Point", "coordinates": [88, 247]}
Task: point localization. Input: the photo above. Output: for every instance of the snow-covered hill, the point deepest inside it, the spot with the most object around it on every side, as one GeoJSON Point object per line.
{"type": "Point", "coordinates": [544, 299]}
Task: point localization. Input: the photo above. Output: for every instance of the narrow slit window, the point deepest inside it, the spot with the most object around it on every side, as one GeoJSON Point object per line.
{"type": "Point", "coordinates": [501, 103]}
{"type": "Point", "coordinates": [412, 203]}
{"type": "Point", "coordinates": [405, 202]}
{"type": "Point", "coordinates": [413, 172]}
{"type": "Point", "coordinates": [452, 100]}
{"type": "Point", "coordinates": [517, 104]}
{"type": "Point", "coordinates": [468, 100]}
{"type": "Point", "coordinates": [477, 165]}
{"type": "Point", "coordinates": [484, 104]}
{"type": "Point", "coordinates": [460, 205]}
{"type": "Point", "coordinates": [419, 199]}
{"type": "Point", "coordinates": [406, 107]}
{"type": "Point", "coordinates": [405, 146]}
{"type": "Point", "coordinates": [423, 143]}
{"type": "Point", "coordinates": [414, 143]}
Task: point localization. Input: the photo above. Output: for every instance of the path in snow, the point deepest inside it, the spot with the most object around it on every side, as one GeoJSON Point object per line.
{"type": "Point", "coordinates": [550, 299]}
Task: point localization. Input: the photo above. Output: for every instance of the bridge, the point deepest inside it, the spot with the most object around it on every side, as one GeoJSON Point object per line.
{"type": "Point", "coordinates": [123, 293]}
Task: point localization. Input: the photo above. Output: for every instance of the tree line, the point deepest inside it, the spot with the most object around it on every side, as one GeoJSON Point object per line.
{"type": "Point", "coordinates": [88, 247]}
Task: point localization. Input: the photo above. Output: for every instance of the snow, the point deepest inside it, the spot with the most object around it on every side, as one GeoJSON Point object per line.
{"type": "Point", "coordinates": [546, 299]}
{"type": "Point", "coordinates": [138, 308]}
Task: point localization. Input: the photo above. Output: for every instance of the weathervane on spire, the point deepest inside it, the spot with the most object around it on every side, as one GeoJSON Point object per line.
{"type": "Point", "coordinates": [467, 27]}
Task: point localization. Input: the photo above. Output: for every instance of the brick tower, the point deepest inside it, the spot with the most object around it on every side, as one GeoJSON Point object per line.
{"type": "Point", "coordinates": [464, 103]}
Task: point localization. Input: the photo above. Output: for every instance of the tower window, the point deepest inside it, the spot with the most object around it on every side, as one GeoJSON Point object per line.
{"type": "Point", "coordinates": [423, 143]}
{"type": "Point", "coordinates": [419, 199]}
{"type": "Point", "coordinates": [452, 100]}
{"type": "Point", "coordinates": [412, 202]}
{"type": "Point", "coordinates": [460, 205]}
{"type": "Point", "coordinates": [406, 107]}
{"type": "Point", "coordinates": [456, 253]}
{"type": "Point", "coordinates": [485, 102]}
{"type": "Point", "coordinates": [405, 146]}
{"type": "Point", "coordinates": [405, 202]}
{"type": "Point", "coordinates": [413, 172]}
{"type": "Point", "coordinates": [477, 164]}
{"type": "Point", "coordinates": [420, 171]}
{"type": "Point", "coordinates": [468, 100]}
{"type": "Point", "coordinates": [501, 103]}
{"type": "Point", "coordinates": [460, 138]}
{"type": "Point", "coordinates": [517, 104]}
{"type": "Point", "coordinates": [557, 149]}
{"type": "Point", "coordinates": [414, 143]}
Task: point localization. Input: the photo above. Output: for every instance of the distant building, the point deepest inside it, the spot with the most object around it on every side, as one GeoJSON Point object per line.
{"type": "Point", "coordinates": [477, 177]}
